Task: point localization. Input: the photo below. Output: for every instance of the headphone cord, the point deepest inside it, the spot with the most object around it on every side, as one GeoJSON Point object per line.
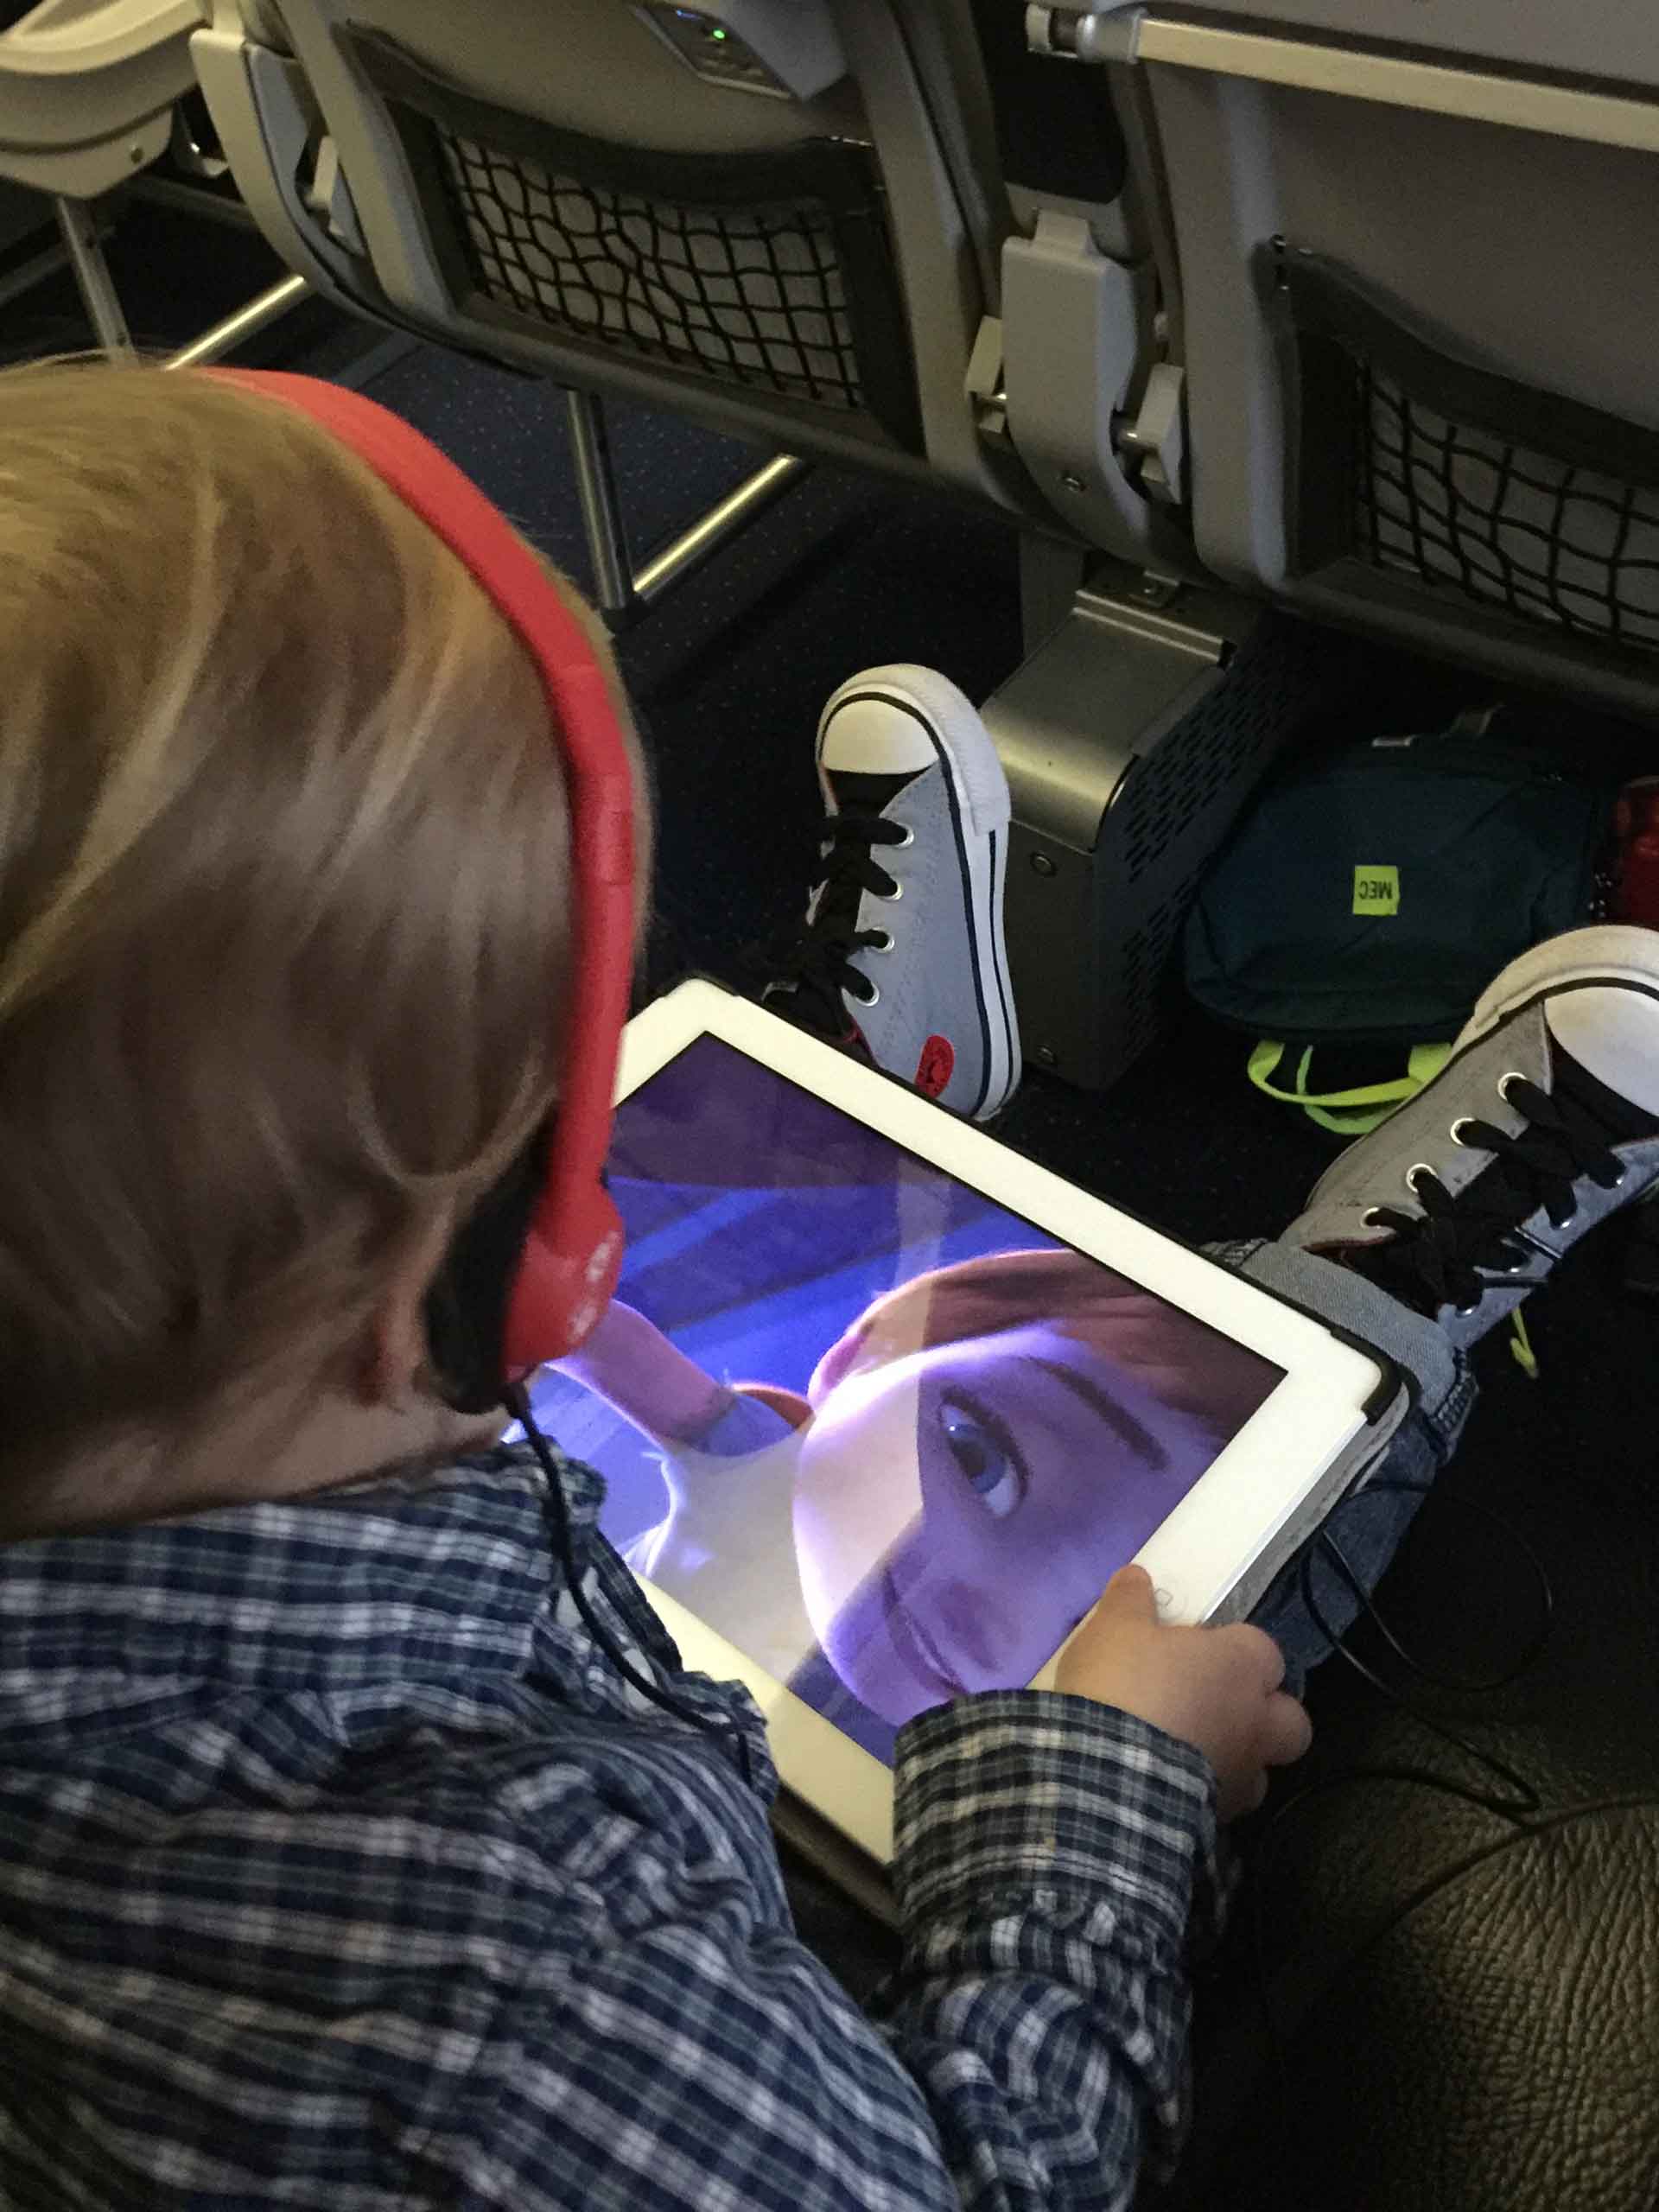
{"type": "Point", "coordinates": [1514, 1802]}
{"type": "Point", "coordinates": [517, 1403]}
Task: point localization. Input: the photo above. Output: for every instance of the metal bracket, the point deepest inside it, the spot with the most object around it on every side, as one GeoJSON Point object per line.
{"type": "Point", "coordinates": [282, 189]}
{"type": "Point", "coordinates": [983, 382]}
{"type": "Point", "coordinates": [193, 156]}
{"type": "Point", "coordinates": [329, 198]}
{"type": "Point", "coordinates": [1085, 35]}
{"type": "Point", "coordinates": [1075, 326]}
{"type": "Point", "coordinates": [1158, 434]}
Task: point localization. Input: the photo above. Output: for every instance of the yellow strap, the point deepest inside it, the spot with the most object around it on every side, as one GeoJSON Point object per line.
{"type": "Point", "coordinates": [1349, 1113]}
{"type": "Point", "coordinates": [1521, 1351]}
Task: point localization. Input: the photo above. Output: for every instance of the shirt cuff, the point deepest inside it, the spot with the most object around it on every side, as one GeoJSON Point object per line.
{"type": "Point", "coordinates": [1016, 1792]}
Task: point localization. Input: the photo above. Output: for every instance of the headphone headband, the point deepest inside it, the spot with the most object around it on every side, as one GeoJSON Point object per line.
{"type": "Point", "coordinates": [568, 1266]}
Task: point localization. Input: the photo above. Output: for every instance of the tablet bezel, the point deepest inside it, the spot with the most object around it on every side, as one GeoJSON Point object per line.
{"type": "Point", "coordinates": [1218, 1533]}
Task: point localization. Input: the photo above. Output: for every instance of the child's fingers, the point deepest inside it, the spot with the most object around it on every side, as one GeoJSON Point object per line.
{"type": "Point", "coordinates": [1287, 1732]}
{"type": "Point", "coordinates": [1129, 1596]}
{"type": "Point", "coordinates": [1255, 1654]}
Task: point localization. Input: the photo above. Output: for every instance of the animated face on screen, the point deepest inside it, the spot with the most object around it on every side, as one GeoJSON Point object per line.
{"type": "Point", "coordinates": [1002, 1435]}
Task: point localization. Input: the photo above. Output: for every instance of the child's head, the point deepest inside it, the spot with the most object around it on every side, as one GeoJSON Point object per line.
{"type": "Point", "coordinates": [282, 904]}
{"type": "Point", "coordinates": [1003, 1434]}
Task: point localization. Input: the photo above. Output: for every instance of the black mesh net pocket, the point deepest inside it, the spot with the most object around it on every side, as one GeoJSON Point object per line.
{"type": "Point", "coordinates": [754, 293]}
{"type": "Point", "coordinates": [1423, 468]}
{"type": "Point", "coordinates": [770, 271]}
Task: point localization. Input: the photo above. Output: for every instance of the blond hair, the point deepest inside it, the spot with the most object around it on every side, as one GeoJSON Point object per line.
{"type": "Point", "coordinates": [282, 897]}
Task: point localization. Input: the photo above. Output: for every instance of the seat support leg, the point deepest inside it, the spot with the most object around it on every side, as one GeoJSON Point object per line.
{"type": "Point", "coordinates": [85, 252]}
{"type": "Point", "coordinates": [601, 512]}
{"type": "Point", "coordinates": [619, 588]}
{"type": "Point", "coordinates": [281, 299]}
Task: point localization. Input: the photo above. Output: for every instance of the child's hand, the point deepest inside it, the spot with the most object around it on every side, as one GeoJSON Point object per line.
{"type": "Point", "coordinates": [1215, 1689]}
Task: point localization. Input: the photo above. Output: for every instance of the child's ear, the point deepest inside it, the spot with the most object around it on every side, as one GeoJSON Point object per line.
{"type": "Point", "coordinates": [396, 1361]}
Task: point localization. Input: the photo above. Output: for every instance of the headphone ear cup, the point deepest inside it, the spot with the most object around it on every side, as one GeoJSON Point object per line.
{"type": "Point", "coordinates": [566, 1277]}
{"type": "Point", "coordinates": [468, 1305]}
{"type": "Point", "coordinates": [533, 1268]}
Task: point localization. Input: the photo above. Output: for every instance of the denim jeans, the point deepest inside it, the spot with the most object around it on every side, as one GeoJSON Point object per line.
{"type": "Point", "coordinates": [1370, 1522]}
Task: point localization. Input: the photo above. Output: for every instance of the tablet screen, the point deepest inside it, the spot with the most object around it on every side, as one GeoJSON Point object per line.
{"type": "Point", "coordinates": [882, 1434]}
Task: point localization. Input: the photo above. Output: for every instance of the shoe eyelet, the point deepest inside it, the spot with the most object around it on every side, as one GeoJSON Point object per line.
{"type": "Point", "coordinates": [890, 898]}
{"type": "Point", "coordinates": [906, 840]}
{"type": "Point", "coordinates": [1511, 1075]}
{"type": "Point", "coordinates": [1619, 1180]}
{"type": "Point", "coordinates": [1463, 1122]}
{"type": "Point", "coordinates": [1418, 1168]}
{"type": "Point", "coordinates": [870, 997]}
{"type": "Point", "coordinates": [883, 942]}
{"type": "Point", "coordinates": [1370, 1217]}
{"type": "Point", "coordinates": [1466, 1312]}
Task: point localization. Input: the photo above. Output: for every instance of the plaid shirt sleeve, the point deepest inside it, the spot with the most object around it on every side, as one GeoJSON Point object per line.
{"type": "Point", "coordinates": [1055, 1861]}
{"type": "Point", "coordinates": [1050, 1853]}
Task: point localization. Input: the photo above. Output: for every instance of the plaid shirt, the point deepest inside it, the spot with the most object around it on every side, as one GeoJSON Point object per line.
{"type": "Point", "coordinates": [338, 1868]}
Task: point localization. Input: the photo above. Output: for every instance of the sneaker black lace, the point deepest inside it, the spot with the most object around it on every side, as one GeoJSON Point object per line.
{"type": "Point", "coordinates": [1435, 1257]}
{"type": "Point", "coordinates": [813, 964]}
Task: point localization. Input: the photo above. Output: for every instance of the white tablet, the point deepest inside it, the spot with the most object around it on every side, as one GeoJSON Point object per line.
{"type": "Point", "coordinates": [882, 1406]}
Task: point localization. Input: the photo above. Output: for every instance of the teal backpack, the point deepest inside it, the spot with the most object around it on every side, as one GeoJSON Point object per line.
{"type": "Point", "coordinates": [1372, 893]}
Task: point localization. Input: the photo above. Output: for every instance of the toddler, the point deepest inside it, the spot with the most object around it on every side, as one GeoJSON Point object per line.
{"type": "Point", "coordinates": [341, 1864]}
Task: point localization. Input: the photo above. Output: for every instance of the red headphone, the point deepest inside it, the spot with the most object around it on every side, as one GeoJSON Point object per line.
{"type": "Point", "coordinates": [569, 1255]}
